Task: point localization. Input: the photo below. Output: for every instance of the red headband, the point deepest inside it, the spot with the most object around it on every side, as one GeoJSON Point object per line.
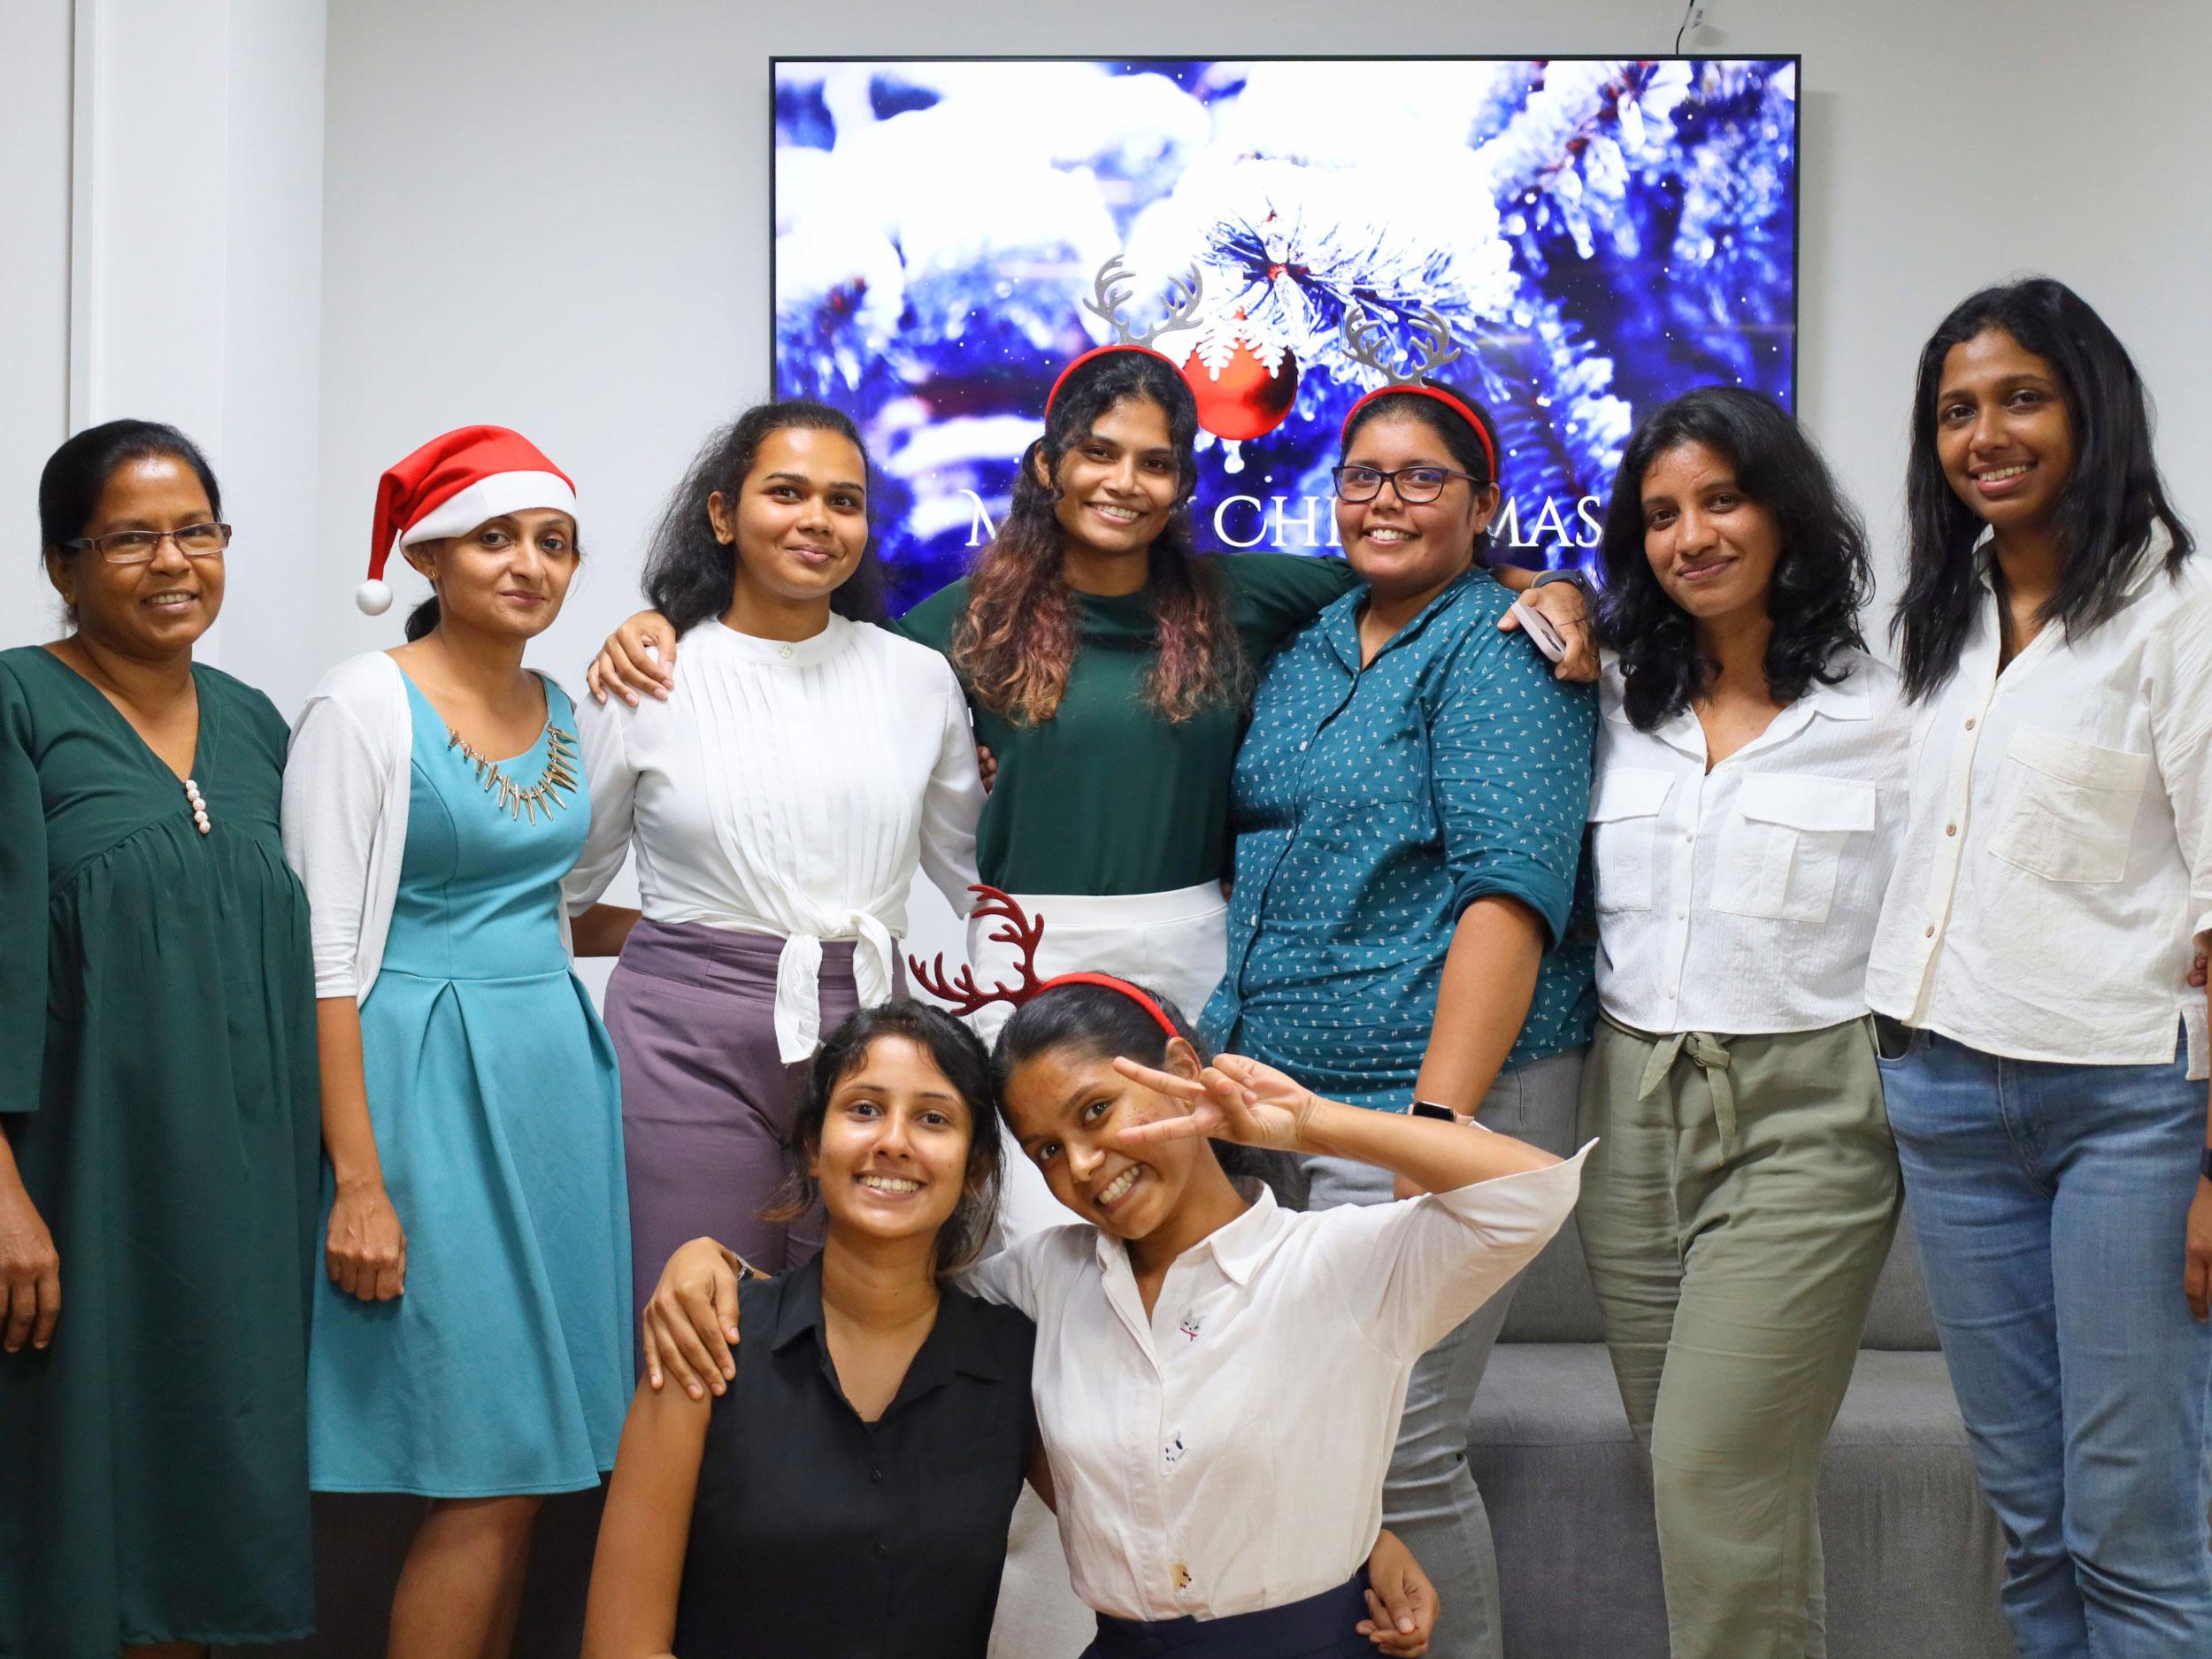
{"type": "Point", "coordinates": [1412, 389]}
{"type": "Point", "coordinates": [1098, 351]}
{"type": "Point", "coordinates": [1023, 932]}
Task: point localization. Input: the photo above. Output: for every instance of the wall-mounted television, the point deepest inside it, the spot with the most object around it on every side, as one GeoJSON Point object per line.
{"type": "Point", "coordinates": [1595, 236]}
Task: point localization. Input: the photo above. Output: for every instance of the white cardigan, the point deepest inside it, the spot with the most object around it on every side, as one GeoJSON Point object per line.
{"type": "Point", "coordinates": [346, 784]}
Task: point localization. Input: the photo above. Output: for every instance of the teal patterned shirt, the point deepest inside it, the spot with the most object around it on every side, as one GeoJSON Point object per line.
{"type": "Point", "coordinates": [1370, 807]}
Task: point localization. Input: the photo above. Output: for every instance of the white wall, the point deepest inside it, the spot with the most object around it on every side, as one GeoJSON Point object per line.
{"type": "Point", "coordinates": [35, 116]}
{"type": "Point", "coordinates": [169, 201]}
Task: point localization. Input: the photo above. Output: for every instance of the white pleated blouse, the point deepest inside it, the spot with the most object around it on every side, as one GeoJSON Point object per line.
{"type": "Point", "coordinates": [789, 788]}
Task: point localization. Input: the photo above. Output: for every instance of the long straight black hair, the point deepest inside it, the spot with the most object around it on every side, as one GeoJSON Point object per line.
{"type": "Point", "coordinates": [1822, 579]}
{"type": "Point", "coordinates": [2105, 511]}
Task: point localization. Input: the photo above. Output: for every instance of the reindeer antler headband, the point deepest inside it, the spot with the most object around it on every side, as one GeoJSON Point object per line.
{"type": "Point", "coordinates": [1110, 291]}
{"type": "Point", "coordinates": [1024, 932]}
{"type": "Point", "coordinates": [1363, 339]}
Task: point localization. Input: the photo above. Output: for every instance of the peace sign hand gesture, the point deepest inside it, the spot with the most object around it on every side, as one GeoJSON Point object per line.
{"type": "Point", "coordinates": [1233, 1099]}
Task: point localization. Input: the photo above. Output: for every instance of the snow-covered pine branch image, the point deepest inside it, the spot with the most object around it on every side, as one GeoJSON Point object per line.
{"type": "Point", "coordinates": [1596, 235]}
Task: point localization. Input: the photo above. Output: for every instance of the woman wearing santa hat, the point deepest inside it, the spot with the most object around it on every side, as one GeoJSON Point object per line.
{"type": "Point", "coordinates": [473, 1192]}
{"type": "Point", "coordinates": [779, 805]}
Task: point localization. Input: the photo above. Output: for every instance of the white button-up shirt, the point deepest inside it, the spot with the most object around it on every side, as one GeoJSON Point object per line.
{"type": "Point", "coordinates": [1742, 900]}
{"type": "Point", "coordinates": [1226, 1452]}
{"type": "Point", "coordinates": [2059, 860]}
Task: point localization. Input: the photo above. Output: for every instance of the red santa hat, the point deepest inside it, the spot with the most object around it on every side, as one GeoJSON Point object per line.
{"type": "Point", "coordinates": [451, 485]}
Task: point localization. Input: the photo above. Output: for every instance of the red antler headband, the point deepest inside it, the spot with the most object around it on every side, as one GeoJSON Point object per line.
{"type": "Point", "coordinates": [1023, 933]}
{"type": "Point", "coordinates": [1361, 340]}
{"type": "Point", "coordinates": [1109, 292]}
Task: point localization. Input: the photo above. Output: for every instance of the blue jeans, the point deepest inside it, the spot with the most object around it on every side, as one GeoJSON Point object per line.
{"type": "Point", "coordinates": [2050, 1204]}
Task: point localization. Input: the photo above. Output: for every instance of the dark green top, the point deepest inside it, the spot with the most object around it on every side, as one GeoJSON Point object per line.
{"type": "Point", "coordinates": [157, 1082]}
{"type": "Point", "coordinates": [1107, 797]}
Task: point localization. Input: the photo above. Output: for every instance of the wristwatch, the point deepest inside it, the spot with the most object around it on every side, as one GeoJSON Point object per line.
{"type": "Point", "coordinates": [1568, 573]}
{"type": "Point", "coordinates": [1430, 1109]}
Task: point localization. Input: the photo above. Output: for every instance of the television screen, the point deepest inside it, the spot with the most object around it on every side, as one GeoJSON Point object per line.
{"type": "Point", "coordinates": [1589, 236]}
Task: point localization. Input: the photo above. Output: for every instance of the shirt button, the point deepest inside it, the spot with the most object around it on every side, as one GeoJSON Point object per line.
{"type": "Point", "coordinates": [1970, 725]}
{"type": "Point", "coordinates": [882, 1549]}
{"type": "Point", "coordinates": [1682, 916]}
{"type": "Point", "coordinates": [783, 650]}
{"type": "Point", "coordinates": [876, 1475]}
{"type": "Point", "coordinates": [1930, 933]}
{"type": "Point", "coordinates": [1950, 829]}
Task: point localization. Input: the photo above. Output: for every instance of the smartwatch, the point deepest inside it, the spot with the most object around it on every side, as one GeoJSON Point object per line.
{"type": "Point", "coordinates": [1430, 1109]}
{"type": "Point", "coordinates": [1568, 573]}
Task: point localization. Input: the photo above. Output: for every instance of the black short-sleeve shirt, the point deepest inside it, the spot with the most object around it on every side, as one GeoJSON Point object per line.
{"type": "Point", "coordinates": [814, 1532]}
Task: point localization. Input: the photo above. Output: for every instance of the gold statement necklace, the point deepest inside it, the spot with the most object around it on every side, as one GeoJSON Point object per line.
{"type": "Point", "coordinates": [559, 778]}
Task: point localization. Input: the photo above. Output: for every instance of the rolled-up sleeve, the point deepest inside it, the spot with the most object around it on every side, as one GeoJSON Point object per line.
{"type": "Point", "coordinates": [1413, 1269]}
{"type": "Point", "coordinates": [1509, 760]}
{"type": "Point", "coordinates": [24, 907]}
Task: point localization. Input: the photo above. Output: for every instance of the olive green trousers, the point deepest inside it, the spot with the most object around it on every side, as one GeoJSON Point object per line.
{"type": "Point", "coordinates": [1736, 1213]}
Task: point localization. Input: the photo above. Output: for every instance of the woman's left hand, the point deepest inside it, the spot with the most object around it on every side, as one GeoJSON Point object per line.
{"type": "Point", "coordinates": [1400, 1601]}
{"type": "Point", "coordinates": [1562, 605]}
{"type": "Point", "coordinates": [2196, 1278]}
{"type": "Point", "coordinates": [1233, 1099]}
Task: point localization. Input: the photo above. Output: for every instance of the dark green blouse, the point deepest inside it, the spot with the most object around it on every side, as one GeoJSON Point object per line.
{"type": "Point", "coordinates": [1107, 797]}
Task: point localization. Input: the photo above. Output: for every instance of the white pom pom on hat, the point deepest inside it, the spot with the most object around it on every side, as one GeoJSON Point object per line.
{"type": "Point", "coordinates": [448, 486]}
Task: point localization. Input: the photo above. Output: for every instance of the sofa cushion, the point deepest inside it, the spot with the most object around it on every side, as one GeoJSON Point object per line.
{"type": "Point", "coordinates": [1912, 1552]}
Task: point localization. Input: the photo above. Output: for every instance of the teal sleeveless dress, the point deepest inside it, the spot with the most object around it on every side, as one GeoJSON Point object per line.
{"type": "Point", "coordinates": [503, 1367]}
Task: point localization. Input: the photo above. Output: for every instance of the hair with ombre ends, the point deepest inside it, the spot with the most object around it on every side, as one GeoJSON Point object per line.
{"type": "Point", "coordinates": [1014, 642]}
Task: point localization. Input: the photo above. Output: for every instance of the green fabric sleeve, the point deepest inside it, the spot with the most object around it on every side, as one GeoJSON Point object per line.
{"type": "Point", "coordinates": [931, 623]}
{"type": "Point", "coordinates": [1510, 749]}
{"type": "Point", "coordinates": [1275, 595]}
{"type": "Point", "coordinates": [23, 906]}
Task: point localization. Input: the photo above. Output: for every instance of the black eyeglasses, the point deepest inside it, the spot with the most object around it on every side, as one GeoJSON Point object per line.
{"type": "Point", "coordinates": [1414, 484]}
{"type": "Point", "coordinates": [138, 547]}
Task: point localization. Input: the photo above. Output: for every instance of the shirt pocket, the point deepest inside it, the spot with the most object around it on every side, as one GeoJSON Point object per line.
{"type": "Point", "coordinates": [1625, 834]}
{"type": "Point", "coordinates": [2066, 809]}
{"type": "Point", "coordinates": [1783, 846]}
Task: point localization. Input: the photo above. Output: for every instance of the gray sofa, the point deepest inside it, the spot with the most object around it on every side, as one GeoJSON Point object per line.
{"type": "Point", "coordinates": [1913, 1552]}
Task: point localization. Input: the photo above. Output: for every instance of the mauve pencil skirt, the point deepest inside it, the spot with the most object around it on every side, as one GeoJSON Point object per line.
{"type": "Point", "coordinates": [707, 1105]}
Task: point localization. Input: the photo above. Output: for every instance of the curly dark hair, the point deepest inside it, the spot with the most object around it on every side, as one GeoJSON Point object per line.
{"type": "Point", "coordinates": [689, 575]}
{"type": "Point", "coordinates": [1015, 639]}
{"type": "Point", "coordinates": [954, 1050]}
{"type": "Point", "coordinates": [1097, 1022]}
{"type": "Point", "coordinates": [2104, 513]}
{"type": "Point", "coordinates": [1822, 579]}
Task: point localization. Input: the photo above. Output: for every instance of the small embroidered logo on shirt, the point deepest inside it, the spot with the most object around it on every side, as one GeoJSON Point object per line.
{"type": "Point", "coordinates": [1173, 1454]}
{"type": "Point", "coordinates": [1189, 1327]}
{"type": "Point", "coordinates": [1182, 1576]}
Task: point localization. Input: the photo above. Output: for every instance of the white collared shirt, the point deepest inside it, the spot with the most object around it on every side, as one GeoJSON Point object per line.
{"type": "Point", "coordinates": [788, 787]}
{"type": "Point", "coordinates": [2059, 860]}
{"type": "Point", "coordinates": [1742, 900]}
{"type": "Point", "coordinates": [1226, 1453]}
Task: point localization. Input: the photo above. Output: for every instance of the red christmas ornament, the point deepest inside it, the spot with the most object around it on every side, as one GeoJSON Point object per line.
{"type": "Point", "coordinates": [1238, 395]}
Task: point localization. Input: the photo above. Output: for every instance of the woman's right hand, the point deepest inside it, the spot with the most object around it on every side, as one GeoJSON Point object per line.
{"type": "Point", "coordinates": [30, 1272]}
{"type": "Point", "coordinates": [690, 1320]}
{"type": "Point", "coordinates": [365, 1250]}
{"type": "Point", "coordinates": [626, 664]}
